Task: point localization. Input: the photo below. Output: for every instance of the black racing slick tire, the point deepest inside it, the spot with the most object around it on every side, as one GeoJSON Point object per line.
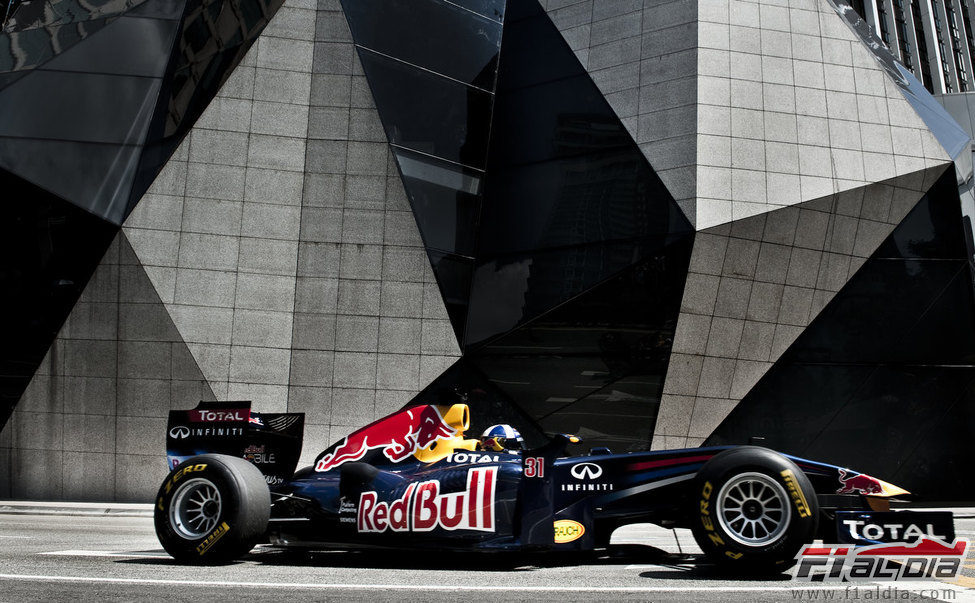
{"type": "Point", "coordinates": [753, 510]}
{"type": "Point", "coordinates": [212, 508]}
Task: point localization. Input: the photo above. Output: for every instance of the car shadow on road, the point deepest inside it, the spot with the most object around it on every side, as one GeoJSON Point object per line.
{"type": "Point", "coordinates": [473, 561]}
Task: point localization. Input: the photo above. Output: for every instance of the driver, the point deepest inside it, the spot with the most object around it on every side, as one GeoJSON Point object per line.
{"type": "Point", "coordinates": [501, 438]}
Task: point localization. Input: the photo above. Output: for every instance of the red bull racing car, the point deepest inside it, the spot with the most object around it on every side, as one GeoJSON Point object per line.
{"type": "Point", "coordinates": [415, 480]}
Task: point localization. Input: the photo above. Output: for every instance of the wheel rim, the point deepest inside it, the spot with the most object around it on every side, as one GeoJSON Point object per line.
{"type": "Point", "coordinates": [753, 509]}
{"type": "Point", "coordinates": [195, 508]}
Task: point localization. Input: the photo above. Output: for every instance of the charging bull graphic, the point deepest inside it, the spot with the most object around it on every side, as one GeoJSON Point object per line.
{"type": "Point", "coordinates": [399, 435]}
{"type": "Point", "coordinates": [858, 483]}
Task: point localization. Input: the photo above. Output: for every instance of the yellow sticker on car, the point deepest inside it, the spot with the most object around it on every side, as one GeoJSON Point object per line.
{"type": "Point", "coordinates": [567, 530]}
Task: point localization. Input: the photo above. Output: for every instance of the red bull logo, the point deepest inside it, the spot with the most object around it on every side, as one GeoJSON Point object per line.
{"type": "Point", "coordinates": [399, 436]}
{"type": "Point", "coordinates": [422, 508]}
{"type": "Point", "coordinates": [854, 483]}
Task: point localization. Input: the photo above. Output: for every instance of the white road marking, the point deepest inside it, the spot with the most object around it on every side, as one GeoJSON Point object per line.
{"type": "Point", "coordinates": [82, 553]}
{"type": "Point", "coordinates": [19, 537]}
{"type": "Point", "coordinates": [424, 587]}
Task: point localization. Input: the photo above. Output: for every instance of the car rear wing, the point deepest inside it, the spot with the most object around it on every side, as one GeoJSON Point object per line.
{"type": "Point", "coordinates": [271, 441]}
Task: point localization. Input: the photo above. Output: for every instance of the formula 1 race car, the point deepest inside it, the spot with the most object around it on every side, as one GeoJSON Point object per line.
{"type": "Point", "coordinates": [413, 480]}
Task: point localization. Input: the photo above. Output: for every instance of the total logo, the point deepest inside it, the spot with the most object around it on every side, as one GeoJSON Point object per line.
{"type": "Point", "coordinates": [219, 416]}
{"type": "Point", "coordinates": [181, 432]}
{"type": "Point", "coordinates": [471, 457]}
{"type": "Point", "coordinates": [587, 472]}
{"type": "Point", "coordinates": [422, 508]}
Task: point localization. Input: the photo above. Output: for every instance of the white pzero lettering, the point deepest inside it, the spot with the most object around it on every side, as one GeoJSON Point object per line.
{"type": "Point", "coordinates": [422, 508]}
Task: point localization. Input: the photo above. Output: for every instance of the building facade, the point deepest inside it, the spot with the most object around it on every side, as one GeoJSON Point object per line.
{"type": "Point", "coordinates": [651, 223]}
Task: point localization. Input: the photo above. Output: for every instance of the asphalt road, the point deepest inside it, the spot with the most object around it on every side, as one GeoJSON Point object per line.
{"type": "Point", "coordinates": [112, 558]}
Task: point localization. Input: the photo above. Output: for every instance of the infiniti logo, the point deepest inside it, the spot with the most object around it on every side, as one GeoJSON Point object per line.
{"type": "Point", "coordinates": [179, 432]}
{"type": "Point", "coordinates": [586, 471]}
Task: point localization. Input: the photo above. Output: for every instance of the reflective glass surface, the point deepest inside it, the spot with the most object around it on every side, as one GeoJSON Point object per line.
{"type": "Point", "coordinates": [58, 12]}
{"type": "Point", "coordinates": [431, 34]}
{"type": "Point", "coordinates": [429, 113]}
{"type": "Point", "coordinates": [88, 107]}
{"type": "Point", "coordinates": [930, 230]}
{"type": "Point", "coordinates": [511, 291]}
{"type": "Point", "coordinates": [488, 8]}
{"type": "Point", "coordinates": [445, 200]}
{"type": "Point", "coordinates": [96, 177]}
{"type": "Point", "coordinates": [29, 48]}
{"type": "Point", "coordinates": [454, 279]}
{"type": "Point", "coordinates": [600, 196]}
{"type": "Point", "coordinates": [144, 42]}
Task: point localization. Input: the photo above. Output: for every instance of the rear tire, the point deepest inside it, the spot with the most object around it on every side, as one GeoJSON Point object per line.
{"type": "Point", "coordinates": [754, 509]}
{"type": "Point", "coordinates": [212, 508]}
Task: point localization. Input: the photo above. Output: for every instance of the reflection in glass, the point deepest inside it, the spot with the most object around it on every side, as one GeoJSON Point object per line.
{"type": "Point", "coordinates": [431, 34]}
{"type": "Point", "coordinates": [429, 113]}
{"type": "Point", "coordinates": [445, 200]}
{"type": "Point", "coordinates": [488, 8]}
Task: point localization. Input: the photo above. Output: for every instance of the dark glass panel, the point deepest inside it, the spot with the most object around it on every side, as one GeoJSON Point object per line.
{"type": "Point", "coordinates": [48, 251]}
{"type": "Point", "coordinates": [431, 34]}
{"type": "Point", "coordinates": [511, 290]}
{"type": "Point", "coordinates": [445, 200]}
{"type": "Point", "coordinates": [944, 332]}
{"type": "Point", "coordinates": [620, 416]}
{"type": "Point", "coordinates": [429, 113]}
{"type": "Point", "coordinates": [37, 14]}
{"type": "Point", "coordinates": [173, 10]}
{"type": "Point", "coordinates": [128, 46]}
{"type": "Point", "coordinates": [940, 460]}
{"type": "Point", "coordinates": [95, 177]}
{"type": "Point", "coordinates": [87, 107]}
{"type": "Point", "coordinates": [9, 78]}
{"type": "Point", "coordinates": [541, 51]}
{"type": "Point", "coordinates": [630, 315]}
{"type": "Point", "coordinates": [888, 416]}
{"type": "Point", "coordinates": [579, 395]}
{"type": "Point", "coordinates": [488, 8]}
{"type": "Point", "coordinates": [454, 278]}
{"type": "Point", "coordinates": [792, 405]}
{"type": "Point", "coordinates": [549, 120]}
{"type": "Point", "coordinates": [881, 303]}
{"type": "Point", "coordinates": [30, 48]}
{"type": "Point", "coordinates": [931, 229]}
{"type": "Point", "coordinates": [600, 196]}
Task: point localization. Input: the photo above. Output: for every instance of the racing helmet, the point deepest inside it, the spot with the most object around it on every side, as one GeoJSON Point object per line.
{"type": "Point", "coordinates": [501, 437]}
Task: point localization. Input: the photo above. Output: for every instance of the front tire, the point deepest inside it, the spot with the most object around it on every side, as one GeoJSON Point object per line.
{"type": "Point", "coordinates": [212, 508]}
{"type": "Point", "coordinates": [754, 509]}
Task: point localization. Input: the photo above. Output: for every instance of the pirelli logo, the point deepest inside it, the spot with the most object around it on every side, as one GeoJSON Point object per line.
{"type": "Point", "coordinates": [796, 492]}
{"type": "Point", "coordinates": [212, 539]}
